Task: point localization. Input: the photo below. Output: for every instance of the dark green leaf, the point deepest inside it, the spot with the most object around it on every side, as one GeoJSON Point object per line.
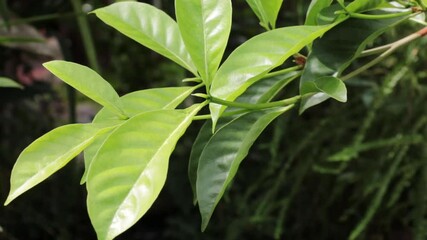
{"type": "Point", "coordinates": [336, 50]}
{"type": "Point", "coordinates": [223, 154]}
{"type": "Point", "coordinates": [314, 9]}
{"type": "Point", "coordinates": [261, 92]}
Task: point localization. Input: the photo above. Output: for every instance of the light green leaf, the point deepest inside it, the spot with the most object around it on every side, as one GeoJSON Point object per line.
{"type": "Point", "coordinates": [205, 27]}
{"type": "Point", "coordinates": [333, 87]}
{"type": "Point", "coordinates": [130, 169]}
{"type": "Point", "coordinates": [50, 153]}
{"type": "Point", "coordinates": [365, 5]}
{"type": "Point", "coordinates": [150, 27]}
{"type": "Point", "coordinates": [336, 50]}
{"type": "Point", "coordinates": [135, 103]}
{"type": "Point", "coordinates": [9, 83]}
{"type": "Point", "coordinates": [255, 58]}
{"type": "Point", "coordinates": [223, 154]}
{"type": "Point", "coordinates": [87, 82]}
{"type": "Point", "coordinates": [314, 9]}
{"type": "Point", "coordinates": [261, 92]}
{"type": "Point", "coordinates": [266, 11]}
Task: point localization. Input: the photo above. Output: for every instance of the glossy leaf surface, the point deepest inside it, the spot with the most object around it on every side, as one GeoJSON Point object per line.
{"type": "Point", "coordinates": [333, 87]}
{"type": "Point", "coordinates": [205, 26]}
{"type": "Point", "coordinates": [223, 154]}
{"type": "Point", "coordinates": [266, 11]}
{"type": "Point", "coordinates": [314, 9]}
{"type": "Point", "coordinates": [9, 83]}
{"type": "Point", "coordinates": [88, 82]}
{"type": "Point", "coordinates": [50, 153]}
{"type": "Point", "coordinates": [335, 51]}
{"type": "Point", "coordinates": [130, 169]}
{"type": "Point", "coordinates": [256, 57]}
{"type": "Point", "coordinates": [261, 92]}
{"type": "Point", "coordinates": [135, 103]}
{"type": "Point", "coordinates": [150, 27]}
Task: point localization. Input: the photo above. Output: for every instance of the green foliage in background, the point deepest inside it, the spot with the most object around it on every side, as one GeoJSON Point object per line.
{"type": "Point", "coordinates": [128, 145]}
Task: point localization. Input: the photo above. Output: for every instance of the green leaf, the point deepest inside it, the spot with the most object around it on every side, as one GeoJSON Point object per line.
{"type": "Point", "coordinates": [261, 92]}
{"type": "Point", "coordinates": [135, 103]}
{"type": "Point", "coordinates": [4, 13]}
{"type": "Point", "coordinates": [266, 11]}
{"type": "Point", "coordinates": [87, 82]}
{"type": "Point", "coordinates": [9, 83]}
{"type": "Point", "coordinates": [255, 58]}
{"type": "Point", "coordinates": [150, 27]}
{"type": "Point", "coordinates": [336, 50]}
{"type": "Point", "coordinates": [223, 154]}
{"type": "Point", "coordinates": [205, 27]}
{"type": "Point", "coordinates": [314, 9]}
{"type": "Point", "coordinates": [365, 5]}
{"type": "Point", "coordinates": [130, 169]}
{"type": "Point", "coordinates": [50, 153]}
{"type": "Point", "coordinates": [333, 87]}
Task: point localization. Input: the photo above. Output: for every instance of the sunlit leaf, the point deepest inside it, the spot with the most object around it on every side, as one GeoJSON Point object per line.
{"type": "Point", "coordinates": [9, 83]}
{"type": "Point", "coordinates": [130, 169]}
{"type": "Point", "coordinates": [88, 82]}
{"type": "Point", "coordinates": [50, 153]}
{"type": "Point", "coordinates": [205, 26]}
{"type": "Point", "coordinates": [135, 103]}
{"type": "Point", "coordinates": [256, 57]}
{"type": "Point", "coordinates": [365, 5]}
{"type": "Point", "coordinates": [150, 27]}
{"type": "Point", "coordinates": [223, 154]}
{"type": "Point", "coordinates": [266, 11]}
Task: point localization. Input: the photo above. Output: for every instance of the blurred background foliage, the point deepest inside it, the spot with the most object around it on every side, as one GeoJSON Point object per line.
{"type": "Point", "coordinates": [338, 169]}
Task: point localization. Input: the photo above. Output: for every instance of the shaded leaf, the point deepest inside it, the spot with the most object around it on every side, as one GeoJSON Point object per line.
{"type": "Point", "coordinates": [333, 87]}
{"type": "Point", "coordinates": [135, 103]}
{"type": "Point", "coordinates": [205, 27]}
{"type": "Point", "coordinates": [150, 27]}
{"type": "Point", "coordinates": [49, 153]}
{"type": "Point", "coordinates": [223, 154]}
{"type": "Point", "coordinates": [266, 11]}
{"type": "Point", "coordinates": [261, 92]}
{"type": "Point", "coordinates": [88, 82]}
{"type": "Point", "coordinates": [9, 83]}
{"type": "Point", "coordinates": [130, 169]}
{"type": "Point", "coordinates": [336, 50]}
{"type": "Point", "coordinates": [255, 58]}
{"type": "Point", "coordinates": [314, 9]}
